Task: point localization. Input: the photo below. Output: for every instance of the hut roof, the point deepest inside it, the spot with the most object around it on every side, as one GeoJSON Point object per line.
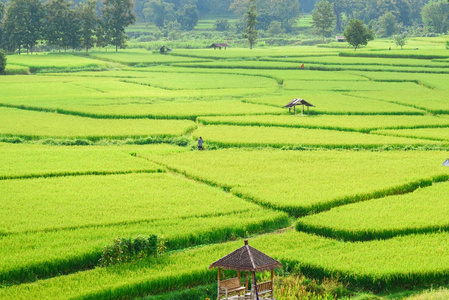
{"type": "Point", "coordinates": [298, 101]}
{"type": "Point", "coordinates": [218, 45]}
{"type": "Point", "coordinates": [246, 258]}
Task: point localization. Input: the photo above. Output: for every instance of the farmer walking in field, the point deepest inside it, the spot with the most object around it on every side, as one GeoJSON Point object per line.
{"type": "Point", "coordinates": [200, 144]}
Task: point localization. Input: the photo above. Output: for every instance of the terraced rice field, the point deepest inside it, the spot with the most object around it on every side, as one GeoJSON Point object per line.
{"type": "Point", "coordinates": [355, 190]}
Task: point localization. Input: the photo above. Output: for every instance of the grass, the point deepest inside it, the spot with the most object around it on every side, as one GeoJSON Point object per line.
{"type": "Point", "coordinates": [424, 210]}
{"type": "Point", "coordinates": [281, 185]}
{"type": "Point", "coordinates": [365, 123]}
{"type": "Point", "coordinates": [277, 137]}
{"type": "Point", "coordinates": [35, 124]}
{"type": "Point", "coordinates": [438, 134]}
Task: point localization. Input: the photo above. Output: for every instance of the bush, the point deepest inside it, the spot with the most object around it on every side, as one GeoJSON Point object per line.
{"type": "Point", "coordinates": [2, 62]}
{"type": "Point", "coordinates": [126, 250]}
{"type": "Point", "coordinates": [221, 25]}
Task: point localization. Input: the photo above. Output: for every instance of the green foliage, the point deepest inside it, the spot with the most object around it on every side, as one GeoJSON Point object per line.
{"type": "Point", "coordinates": [357, 34]}
{"type": "Point", "coordinates": [436, 15]}
{"type": "Point", "coordinates": [2, 61]}
{"type": "Point", "coordinates": [399, 40]}
{"type": "Point", "coordinates": [323, 18]}
{"type": "Point", "coordinates": [251, 22]}
{"type": "Point", "coordinates": [159, 12]}
{"type": "Point", "coordinates": [89, 23]}
{"type": "Point", "coordinates": [388, 25]}
{"type": "Point", "coordinates": [188, 17]}
{"type": "Point", "coordinates": [221, 25]}
{"type": "Point", "coordinates": [126, 250]}
{"type": "Point", "coordinates": [22, 24]}
{"type": "Point", "coordinates": [117, 14]}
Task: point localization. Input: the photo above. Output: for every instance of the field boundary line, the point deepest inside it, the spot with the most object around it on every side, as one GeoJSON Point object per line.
{"type": "Point", "coordinates": [300, 211]}
{"type": "Point", "coordinates": [86, 173]}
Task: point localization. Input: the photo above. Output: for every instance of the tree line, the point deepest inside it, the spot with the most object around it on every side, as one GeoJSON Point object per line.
{"type": "Point", "coordinates": [61, 24]}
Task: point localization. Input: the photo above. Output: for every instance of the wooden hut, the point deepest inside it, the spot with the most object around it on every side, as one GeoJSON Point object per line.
{"type": "Point", "coordinates": [249, 260]}
{"type": "Point", "coordinates": [298, 101]}
{"type": "Point", "coordinates": [219, 46]}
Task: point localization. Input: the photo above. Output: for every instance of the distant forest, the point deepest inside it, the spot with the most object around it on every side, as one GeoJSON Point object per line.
{"type": "Point", "coordinates": [87, 23]}
{"type": "Point", "coordinates": [367, 10]}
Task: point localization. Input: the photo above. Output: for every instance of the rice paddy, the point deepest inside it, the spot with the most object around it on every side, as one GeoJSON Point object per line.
{"type": "Point", "coordinates": [103, 145]}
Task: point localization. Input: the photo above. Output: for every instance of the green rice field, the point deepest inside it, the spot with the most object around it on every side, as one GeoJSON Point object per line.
{"type": "Point", "coordinates": [103, 145]}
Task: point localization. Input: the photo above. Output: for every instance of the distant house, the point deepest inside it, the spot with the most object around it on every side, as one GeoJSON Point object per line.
{"type": "Point", "coordinates": [218, 45]}
{"type": "Point", "coordinates": [340, 38]}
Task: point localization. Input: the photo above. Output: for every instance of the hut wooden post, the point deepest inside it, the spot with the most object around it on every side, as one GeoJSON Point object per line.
{"type": "Point", "coordinates": [272, 283]}
{"type": "Point", "coordinates": [307, 110]}
{"type": "Point", "coordinates": [294, 108]}
{"type": "Point", "coordinates": [218, 286]}
{"type": "Point", "coordinates": [303, 109]}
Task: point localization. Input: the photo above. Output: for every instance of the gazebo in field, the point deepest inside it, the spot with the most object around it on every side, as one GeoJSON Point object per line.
{"type": "Point", "coordinates": [298, 101]}
{"type": "Point", "coordinates": [219, 46]}
{"type": "Point", "coordinates": [249, 260]}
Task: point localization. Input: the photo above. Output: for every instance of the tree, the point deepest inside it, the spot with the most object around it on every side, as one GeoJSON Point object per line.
{"type": "Point", "coordinates": [2, 13]}
{"type": "Point", "coordinates": [221, 25]}
{"type": "Point", "coordinates": [323, 18]}
{"type": "Point", "coordinates": [388, 24]}
{"type": "Point", "coordinates": [159, 12]}
{"type": "Point", "coordinates": [117, 14]}
{"type": "Point", "coordinates": [188, 17]}
{"type": "Point", "coordinates": [55, 22]}
{"type": "Point", "coordinates": [89, 23]}
{"type": "Point", "coordinates": [357, 34]}
{"type": "Point", "coordinates": [399, 40]}
{"type": "Point", "coordinates": [250, 28]}
{"type": "Point", "coordinates": [72, 30]}
{"type": "Point", "coordinates": [436, 15]}
{"type": "Point", "coordinates": [22, 24]}
{"type": "Point", "coordinates": [2, 62]}
{"type": "Point", "coordinates": [286, 11]}
{"type": "Point", "coordinates": [275, 28]}
{"type": "Point", "coordinates": [103, 38]}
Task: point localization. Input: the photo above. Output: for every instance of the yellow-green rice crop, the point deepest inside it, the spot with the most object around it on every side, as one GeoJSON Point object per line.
{"type": "Point", "coordinates": [253, 136]}
{"type": "Point", "coordinates": [364, 61]}
{"type": "Point", "coordinates": [338, 122]}
{"type": "Point", "coordinates": [345, 86]}
{"type": "Point", "coordinates": [434, 101]}
{"type": "Point", "coordinates": [302, 182]}
{"type": "Point", "coordinates": [24, 161]}
{"type": "Point", "coordinates": [140, 57]}
{"type": "Point", "coordinates": [194, 81]}
{"type": "Point", "coordinates": [39, 124]}
{"type": "Point", "coordinates": [330, 102]}
{"type": "Point", "coordinates": [27, 256]}
{"type": "Point", "coordinates": [438, 134]}
{"type": "Point", "coordinates": [41, 204]}
{"type": "Point", "coordinates": [411, 260]}
{"type": "Point", "coordinates": [424, 210]}
{"type": "Point", "coordinates": [56, 61]}
{"type": "Point", "coordinates": [175, 110]}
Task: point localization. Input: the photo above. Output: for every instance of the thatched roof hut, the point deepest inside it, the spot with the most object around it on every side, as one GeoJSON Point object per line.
{"type": "Point", "coordinates": [246, 259]}
{"type": "Point", "coordinates": [299, 101]}
{"type": "Point", "coordinates": [219, 46]}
